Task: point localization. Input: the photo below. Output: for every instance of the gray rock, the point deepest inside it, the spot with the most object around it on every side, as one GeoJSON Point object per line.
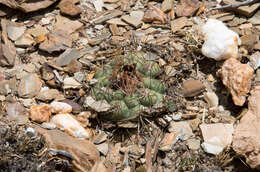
{"type": "Point", "coordinates": [14, 32]}
{"type": "Point", "coordinates": [29, 86]}
{"type": "Point", "coordinates": [66, 57]}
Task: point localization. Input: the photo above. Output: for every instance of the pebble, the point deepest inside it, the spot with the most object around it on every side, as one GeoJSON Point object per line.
{"type": "Point", "coordinates": [211, 98]}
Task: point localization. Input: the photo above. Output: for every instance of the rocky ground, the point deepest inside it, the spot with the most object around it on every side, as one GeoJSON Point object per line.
{"type": "Point", "coordinates": [129, 85]}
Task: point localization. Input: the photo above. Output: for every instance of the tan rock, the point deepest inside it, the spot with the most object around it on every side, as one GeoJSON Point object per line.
{"type": "Point", "coordinates": [60, 107]}
{"type": "Point", "coordinates": [246, 139]}
{"type": "Point", "coordinates": [71, 126]}
{"type": "Point", "coordinates": [154, 14]}
{"type": "Point", "coordinates": [67, 7]}
{"type": "Point", "coordinates": [168, 141]}
{"type": "Point", "coordinates": [40, 113]}
{"type": "Point", "coordinates": [48, 95]}
{"type": "Point", "coordinates": [84, 153]}
{"type": "Point", "coordinates": [180, 23]}
{"type": "Point", "coordinates": [29, 86]}
{"type": "Point", "coordinates": [187, 8]}
{"type": "Point", "coordinates": [237, 78]}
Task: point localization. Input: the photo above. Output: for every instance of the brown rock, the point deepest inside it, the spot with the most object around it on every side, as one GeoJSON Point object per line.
{"type": "Point", "coordinates": [56, 41]}
{"type": "Point", "coordinates": [103, 18]}
{"type": "Point", "coordinates": [27, 5]}
{"type": "Point", "coordinates": [40, 113]}
{"type": "Point", "coordinates": [249, 40]}
{"type": "Point", "coordinates": [192, 88]}
{"type": "Point", "coordinates": [84, 153]}
{"type": "Point", "coordinates": [246, 139]}
{"type": "Point", "coordinates": [154, 14]}
{"type": "Point", "coordinates": [168, 141]}
{"type": "Point", "coordinates": [67, 7]}
{"type": "Point", "coordinates": [237, 78]}
{"type": "Point", "coordinates": [66, 25]}
{"type": "Point", "coordinates": [187, 8]}
{"type": "Point", "coordinates": [167, 5]}
{"type": "Point", "coordinates": [180, 23]}
{"type": "Point", "coordinates": [245, 10]}
{"type": "Point", "coordinates": [7, 49]}
{"type": "Point", "coordinates": [48, 95]}
{"type": "Point", "coordinates": [29, 86]}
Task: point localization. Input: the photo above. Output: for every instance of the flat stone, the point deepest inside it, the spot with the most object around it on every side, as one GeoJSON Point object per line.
{"type": "Point", "coordinates": [244, 10]}
{"type": "Point", "coordinates": [25, 41]}
{"type": "Point", "coordinates": [167, 5]}
{"type": "Point", "coordinates": [84, 153]}
{"type": "Point", "coordinates": [179, 23]}
{"type": "Point", "coordinates": [246, 139]}
{"type": "Point", "coordinates": [154, 14]}
{"type": "Point", "coordinates": [116, 21]}
{"type": "Point", "coordinates": [70, 82]}
{"type": "Point", "coordinates": [255, 60]}
{"type": "Point", "coordinates": [37, 31]}
{"type": "Point", "coordinates": [187, 8]}
{"type": "Point", "coordinates": [193, 144]}
{"type": "Point", "coordinates": [48, 95]}
{"type": "Point", "coordinates": [7, 86]}
{"type": "Point", "coordinates": [17, 112]}
{"type": "Point", "coordinates": [29, 86]}
{"type": "Point", "coordinates": [103, 18]}
{"type": "Point", "coordinates": [102, 148]}
{"type": "Point", "coordinates": [14, 32]}
{"type": "Point", "coordinates": [7, 49]}
{"type": "Point", "coordinates": [134, 19]}
{"type": "Point", "coordinates": [70, 125]}
{"type": "Point", "coordinates": [40, 113]}
{"type": "Point", "coordinates": [66, 57]}
{"type": "Point", "coordinates": [182, 128]}
{"type": "Point", "coordinates": [99, 106]}
{"type": "Point", "coordinates": [249, 40]}
{"type": "Point", "coordinates": [237, 78]}
{"type": "Point", "coordinates": [215, 142]}
{"type": "Point", "coordinates": [255, 20]}
{"type": "Point", "coordinates": [168, 141]}
{"type": "Point", "coordinates": [55, 42]}
{"type": "Point", "coordinates": [192, 88]}
{"type": "Point", "coordinates": [67, 7]}
{"type": "Point", "coordinates": [66, 25]}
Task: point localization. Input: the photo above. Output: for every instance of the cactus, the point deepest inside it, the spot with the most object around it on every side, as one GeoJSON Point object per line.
{"type": "Point", "coordinates": [129, 83]}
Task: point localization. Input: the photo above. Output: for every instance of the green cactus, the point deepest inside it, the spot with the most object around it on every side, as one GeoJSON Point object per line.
{"type": "Point", "coordinates": [142, 89]}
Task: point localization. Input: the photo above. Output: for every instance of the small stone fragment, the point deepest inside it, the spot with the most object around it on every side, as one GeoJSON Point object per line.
{"type": "Point", "coordinates": [66, 57]}
{"type": "Point", "coordinates": [24, 41]}
{"type": "Point", "coordinates": [14, 32]}
{"type": "Point", "coordinates": [134, 19]}
{"type": "Point", "coordinates": [154, 14]}
{"type": "Point", "coordinates": [192, 88]}
{"type": "Point", "coordinates": [67, 7]}
{"type": "Point", "coordinates": [187, 8]}
{"type": "Point", "coordinates": [60, 107]}
{"type": "Point", "coordinates": [17, 112]}
{"type": "Point", "coordinates": [56, 41]}
{"type": "Point", "coordinates": [216, 137]}
{"type": "Point", "coordinates": [178, 24]}
{"type": "Point", "coordinates": [102, 148]}
{"type": "Point", "coordinates": [220, 42]}
{"type": "Point", "coordinates": [182, 128]}
{"type": "Point", "coordinates": [99, 106]}
{"type": "Point", "coordinates": [48, 125]}
{"type": "Point", "coordinates": [249, 40]}
{"type": "Point", "coordinates": [40, 113]}
{"type": "Point", "coordinates": [237, 78]}
{"type": "Point", "coordinates": [48, 95]}
{"type": "Point", "coordinates": [29, 86]}
{"type": "Point", "coordinates": [167, 5]}
{"type": "Point", "coordinates": [7, 86]}
{"type": "Point", "coordinates": [193, 144]}
{"type": "Point", "coordinates": [168, 141]}
{"type": "Point", "coordinates": [70, 82]}
{"type": "Point", "coordinates": [211, 98]}
{"type": "Point", "coordinates": [255, 60]}
{"type": "Point", "coordinates": [70, 125]}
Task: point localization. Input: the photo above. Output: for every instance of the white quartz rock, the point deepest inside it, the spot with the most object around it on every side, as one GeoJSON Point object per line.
{"type": "Point", "coordinates": [220, 42]}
